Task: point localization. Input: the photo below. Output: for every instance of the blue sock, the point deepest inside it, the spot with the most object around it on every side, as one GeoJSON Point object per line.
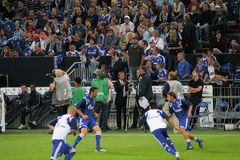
{"type": "Point", "coordinates": [189, 143]}
{"type": "Point", "coordinates": [78, 139]}
{"type": "Point", "coordinates": [197, 140]}
{"type": "Point", "coordinates": [170, 143]}
{"type": "Point", "coordinates": [98, 140]}
{"type": "Point", "coordinates": [69, 156]}
{"type": "Point", "coordinates": [170, 150]}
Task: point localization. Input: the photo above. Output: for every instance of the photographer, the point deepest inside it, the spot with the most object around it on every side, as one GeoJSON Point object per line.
{"type": "Point", "coordinates": [102, 99]}
{"type": "Point", "coordinates": [62, 93]}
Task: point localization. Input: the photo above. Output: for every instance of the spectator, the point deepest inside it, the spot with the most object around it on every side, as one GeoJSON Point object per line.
{"type": "Point", "coordinates": [210, 74]}
{"type": "Point", "coordinates": [93, 51]}
{"type": "Point", "coordinates": [118, 65]}
{"type": "Point", "coordinates": [163, 17]}
{"type": "Point", "coordinates": [6, 52]}
{"type": "Point", "coordinates": [160, 73]}
{"type": "Point", "coordinates": [157, 58]}
{"type": "Point", "coordinates": [33, 103]}
{"type": "Point", "coordinates": [37, 51]}
{"type": "Point", "coordinates": [114, 26]}
{"type": "Point", "coordinates": [79, 27]}
{"type": "Point", "coordinates": [147, 50]}
{"type": "Point", "coordinates": [78, 12]}
{"type": "Point", "coordinates": [21, 12]}
{"type": "Point", "coordinates": [18, 34]}
{"type": "Point", "coordinates": [222, 5]}
{"type": "Point", "coordinates": [178, 10]}
{"type": "Point", "coordinates": [147, 29]}
{"type": "Point", "coordinates": [189, 35]}
{"type": "Point", "coordinates": [235, 47]}
{"type": "Point", "coordinates": [200, 67]}
{"type": "Point", "coordinates": [149, 69]}
{"type": "Point", "coordinates": [111, 38]}
{"type": "Point", "coordinates": [210, 2]}
{"type": "Point", "coordinates": [72, 51]}
{"type": "Point", "coordinates": [8, 13]}
{"type": "Point", "coordinates": [219, 22]}
{"type": "Point", "coordinates": [135, 58]}
{"type": "Point", "coordinates": [15, 53]}
{"type": "Point", "coordinates": [193, 3]}
{"type": "Point", "coordinates": [145, 85]}
{"type": "Point", "coordinates": [92, 15]}
{"type": "Point", "coordinates": [205, 21]}
{"type": "Point", "coordinates": [157, 40]}
{"type": "Point", "coordinates": [183, 69]}
{"type": "Point", "coordinates": [219, 44]}
{"type": "Point", "coordinates": [164, 36]}
{"type": "Point", "coordinates": [126, 26]}
{"type": "Point", "coordinates": [174, 45]}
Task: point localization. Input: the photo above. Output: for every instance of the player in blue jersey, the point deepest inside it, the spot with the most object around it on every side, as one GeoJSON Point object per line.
{"type": "Point", "coordinates": [155, 120]}
{"type": "Point", "coordinates": [86, 119]}
{"type": "Point", "coordinates": [63, 126]}
{"type": "Point", "coordinates": [183, 111]}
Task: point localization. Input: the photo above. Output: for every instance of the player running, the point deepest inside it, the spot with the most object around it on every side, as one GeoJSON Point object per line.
{"type": "Point", "coordinates": [183, 111]}
{"type": "Point", "coordinates": [86, 119]}
{"type": "Point", "coordinates": [62, 126]}
{"type": "Point", "coordinates": [155, 120]}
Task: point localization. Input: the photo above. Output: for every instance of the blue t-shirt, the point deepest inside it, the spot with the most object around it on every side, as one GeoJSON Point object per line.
{"type": "Point", "coordinates": [180, 108]}
{"type": "Point", "coordinates": [92, 51]}
{"type": "Point", "coordinates": [161, 73]}
{"type": "Point", "coordinates": [86, 105]}
{"type": "Point", "coordinates": [157, 59]}
{"type": "Point", "coordinates": [184, 68]}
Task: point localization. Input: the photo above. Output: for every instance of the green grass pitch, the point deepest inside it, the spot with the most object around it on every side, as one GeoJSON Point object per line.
{"type": "Point", "coordinates": [134, 145]}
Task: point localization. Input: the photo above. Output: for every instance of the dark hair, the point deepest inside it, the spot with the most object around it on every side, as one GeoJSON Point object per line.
{"type": "Point", "coordinates": [172, 94]}
{"type": "Point", "coordinates": [145, 42]}
{"type": "Point", "coordinates": [78, 80]}
{"type": "Point", "coordinates": [153, 104]}
{"type": "Point", "coordinates": [23, 85]}
{"type": "Point", "coordinates": [92, 89]}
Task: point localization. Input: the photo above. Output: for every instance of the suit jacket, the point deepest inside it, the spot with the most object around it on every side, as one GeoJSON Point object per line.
{"type": "Point", "coordinates": [120, 100]}
{"type": "Point", "coordinates": [145, 87]}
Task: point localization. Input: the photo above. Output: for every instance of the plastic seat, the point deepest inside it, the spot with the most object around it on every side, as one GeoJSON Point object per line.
{"type": "Point", "coordinates": [221, 114]}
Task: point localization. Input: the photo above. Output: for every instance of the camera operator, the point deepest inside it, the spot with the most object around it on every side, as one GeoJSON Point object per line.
{"type": "Point", "coordinates": [33, 103]}
{"type": "Point", "coordinates": [102, 99]}
{"type": "Point", "coordinates": [121, 88]}
{"type": "Point", "coordinates": [62, 94]}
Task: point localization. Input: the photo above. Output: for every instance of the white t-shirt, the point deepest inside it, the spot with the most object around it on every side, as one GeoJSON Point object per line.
{"type": "Point", "coordinates": [155, 119]}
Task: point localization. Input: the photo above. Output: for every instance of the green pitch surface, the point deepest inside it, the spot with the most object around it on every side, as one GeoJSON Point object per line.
{"type": "Point", "coordinates": [134, 145]}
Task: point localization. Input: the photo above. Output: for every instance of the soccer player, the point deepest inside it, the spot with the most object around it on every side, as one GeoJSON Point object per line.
{"type": "Point", "coordinates": [183, 111]}
{"type": "Point", "coordinates": [155, 120]}
{"type": "Point", "coordinates": [86, 119]}
{"type": "Point", "coordinates": [63, 126]}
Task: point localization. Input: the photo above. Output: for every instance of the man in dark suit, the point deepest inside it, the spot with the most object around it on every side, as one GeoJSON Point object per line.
{"type": "Point", "coordinates": [121, 88]}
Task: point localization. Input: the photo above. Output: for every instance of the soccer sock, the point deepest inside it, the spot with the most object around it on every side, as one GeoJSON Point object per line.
{"type": "Point", "coordinates": [196, 139]}
{"type": "Point", "coordinates": [170, 143]}
{"type": "Point", "coordinates": [98, 139]}
{"type": "Point", "coordinates": [170, 150]}
{"type": "Point", "coordinates": [189, 142]}
{"type": "Point", "coordinates": [69, 156]}
{"type": "Point", "coordinates": [78, 139]}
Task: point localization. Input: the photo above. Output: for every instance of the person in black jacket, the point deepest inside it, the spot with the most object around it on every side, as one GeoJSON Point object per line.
{"type": "Point", "coordinates": [121, 88]}
{"type": "Point", "coordinates": [33, 103]}
{"type": "Point", "coordinates": [145, 85]}
{"type": "Point", "coordinates": [189, 35]}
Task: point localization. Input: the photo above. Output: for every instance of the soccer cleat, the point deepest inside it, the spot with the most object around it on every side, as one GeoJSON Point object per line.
{"type": "Point", "coordinates": [189, 148]}
{"type": "Point", "coordinates": [101, 150]}
{"type": "Point", "coordinates": [22, 126]}
{"type": "Point", "coordinates": [200, 143]}
{"type": "Point", "coordinates": [177, 156]}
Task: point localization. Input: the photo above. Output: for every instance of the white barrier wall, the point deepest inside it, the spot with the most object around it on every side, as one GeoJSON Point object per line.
{"type": "Point", "coordinates": [207, 92]}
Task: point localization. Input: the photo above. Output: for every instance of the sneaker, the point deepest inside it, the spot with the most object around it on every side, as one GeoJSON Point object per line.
{"type": "Point", "coordinates": [177, 156]}
{"type": "Point", "coordinates": [101, 150]}
{"type": "Point", "coordinates": [21, 126]}
{"type": "Point", "coordinates": [189, 148]}
{"type": "Point", "coordinates": [200, 143]}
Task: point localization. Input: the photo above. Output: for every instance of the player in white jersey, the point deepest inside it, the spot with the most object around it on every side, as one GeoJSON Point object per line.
{"type": "Point", "coordinates": [63, 126]}
{"type": "Point", "coordinates": [155, 120]}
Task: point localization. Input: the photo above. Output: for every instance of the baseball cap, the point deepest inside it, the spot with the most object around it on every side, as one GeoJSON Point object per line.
{"type": "Point", "coordinates": [126, 17]}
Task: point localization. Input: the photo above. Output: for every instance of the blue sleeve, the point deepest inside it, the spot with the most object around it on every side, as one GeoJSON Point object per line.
{"type": "Point", "coordinates": [73, 124]}
{"type": "Point", "coordinates": [81, 105]}
{"type": "Point", "coordinates": [165, 116]}
{"type": "Point", "coordinates": [53, 122]}
{"type": "Point", "coordinates": [186, 104]}
{"type": "Point", "coordinates": [187, 68]}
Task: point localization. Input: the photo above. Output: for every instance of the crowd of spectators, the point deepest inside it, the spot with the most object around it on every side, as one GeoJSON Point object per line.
{"type": "Point", "coordinates": [153, 31]}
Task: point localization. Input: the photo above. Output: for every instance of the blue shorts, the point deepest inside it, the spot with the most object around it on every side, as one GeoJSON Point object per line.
{"type": "Point", "coordinates": [87, 123]}
{"type": "Point", "coordinates": [185, 123]}
{"type": "Point", "coordinates": [59, 147]}
{"type": "Point", "coordinates": [161, 136]}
